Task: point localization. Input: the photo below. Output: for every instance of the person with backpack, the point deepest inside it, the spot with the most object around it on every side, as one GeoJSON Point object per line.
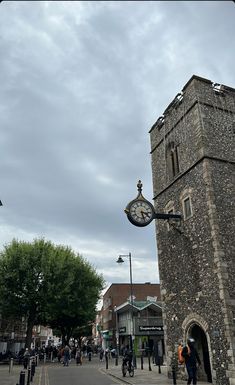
{"type": "Point", "coordinates": [191, 357]}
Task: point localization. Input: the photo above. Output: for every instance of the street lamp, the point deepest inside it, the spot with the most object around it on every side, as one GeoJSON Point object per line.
{"type": "Point", "coordinates": [117, 335]}
{"type": "Point", "coordinates": [120, 260]}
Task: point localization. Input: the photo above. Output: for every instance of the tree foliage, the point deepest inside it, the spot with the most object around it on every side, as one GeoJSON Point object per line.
{"type": "Point", "coordinates": [47, 284]}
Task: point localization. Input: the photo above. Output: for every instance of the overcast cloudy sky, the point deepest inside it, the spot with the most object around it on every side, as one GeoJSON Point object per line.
{"type": "Point", "coordinates": [81, 84]}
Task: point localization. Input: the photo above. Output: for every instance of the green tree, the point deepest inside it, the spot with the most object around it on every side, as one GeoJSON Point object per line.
{"type": "Point", "coordinates": [78, 289]}
{"type": "Point", "coordinates": [41, 282]}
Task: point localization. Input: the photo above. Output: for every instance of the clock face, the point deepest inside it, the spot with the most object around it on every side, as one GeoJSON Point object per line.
{"type": "Point", "coordinates": [140, 212]}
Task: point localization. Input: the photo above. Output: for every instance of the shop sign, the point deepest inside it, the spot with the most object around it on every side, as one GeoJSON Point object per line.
{"type": "Point", "coordinates": [148, 328]}
{"type": "Point", "coordinates": [122, 330]}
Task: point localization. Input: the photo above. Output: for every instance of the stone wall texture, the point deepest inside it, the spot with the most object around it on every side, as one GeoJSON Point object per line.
{"type": "Point", "coordinates": [196, 258]}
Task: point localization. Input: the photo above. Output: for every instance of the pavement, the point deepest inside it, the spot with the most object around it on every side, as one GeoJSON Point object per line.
{"type": "Point", "coordinates": [144, 376]}
{"type": "Point", "coordinates": [10, 376]}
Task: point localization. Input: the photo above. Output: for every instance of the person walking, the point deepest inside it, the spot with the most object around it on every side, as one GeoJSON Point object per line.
{"type": "Point", "coordinates": [66, 355]}
{"type": "Point", "coordinates": [192, 360]}
{"type": "Point", "coordinates": [89, 352]}
{"type": "Point", "coordinates": [78, 356]}
{"type": "Point", "coordinates": [26, 358]}
{"type": "Point", "coordinates": [101, 354]}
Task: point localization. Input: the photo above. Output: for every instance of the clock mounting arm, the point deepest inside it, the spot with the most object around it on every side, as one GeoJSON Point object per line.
{"type": "Point", "coordinates": [140, 212]}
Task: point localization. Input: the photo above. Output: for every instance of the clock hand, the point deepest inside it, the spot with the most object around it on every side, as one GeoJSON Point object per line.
{"type": "Point", "coordinates": [144, 213]}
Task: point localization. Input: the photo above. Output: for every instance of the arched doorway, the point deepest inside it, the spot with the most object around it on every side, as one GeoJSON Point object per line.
{"type": "Point", "coordinates": [201, 344]}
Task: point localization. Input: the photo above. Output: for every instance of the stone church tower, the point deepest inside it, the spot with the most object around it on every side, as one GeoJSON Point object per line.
{"type": "Point", "coordinates": [193, 157]}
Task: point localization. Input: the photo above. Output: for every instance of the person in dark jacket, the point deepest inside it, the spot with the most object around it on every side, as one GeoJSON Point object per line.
{"type": "Point", "coordinates": [26, 358]}
{"type": "Point", "coordinates": [127, 357]}
{"type": "Point", "coordinates": [192, 359]}
{"type": "Point", "coordinates": [66, 355]}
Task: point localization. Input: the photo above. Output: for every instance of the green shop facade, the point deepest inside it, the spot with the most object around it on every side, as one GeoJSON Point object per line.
{"type": "Point", "coordinates": [143, 321]}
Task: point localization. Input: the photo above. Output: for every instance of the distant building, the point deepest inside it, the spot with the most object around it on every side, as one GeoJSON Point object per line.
{"type": "Point", "coordinates": [13, 333]}
{"type": "Point", "coordinates": [96, 329]}
{"type": "Point", "coordinates": [147, 326]}
{"type": "Point", "coordinates": [43, 336]}
{"type": "Point", "coordinates": [116, 295]}
{"type": "Point", "coordinates": [193, 156]}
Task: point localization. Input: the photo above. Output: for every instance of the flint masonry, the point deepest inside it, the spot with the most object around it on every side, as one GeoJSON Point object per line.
{"type": "Point", "coordinates": [193, 156]}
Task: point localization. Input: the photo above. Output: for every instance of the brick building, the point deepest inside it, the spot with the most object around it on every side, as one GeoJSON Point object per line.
{"type": "Point", "coordinates": [116, 295]}
{"type": "Point", "coordinates": [193, 156]}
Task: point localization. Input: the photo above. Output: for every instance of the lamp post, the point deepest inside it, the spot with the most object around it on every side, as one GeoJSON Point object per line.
{"type": "Point", "coordinates": [120, 260]}
{"type": "Point", "coordinates": [117, 336]}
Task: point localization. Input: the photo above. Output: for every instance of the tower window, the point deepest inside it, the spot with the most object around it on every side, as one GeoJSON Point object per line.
{"type": "Point", "coordinates": [172, 160]}
{"type": "Point", "coordinates": [187, 208]}
{"type": "Point", "coordinates": [175, 161]}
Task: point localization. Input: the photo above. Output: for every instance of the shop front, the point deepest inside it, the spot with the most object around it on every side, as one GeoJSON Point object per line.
{"type": "Point", "coordinates": [147, 330]}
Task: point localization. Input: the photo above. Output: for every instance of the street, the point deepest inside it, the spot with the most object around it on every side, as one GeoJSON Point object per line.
{"type": "Point", "coordinates": [90, 373]}
{"type": "Point", "coordinates": [87, 374]}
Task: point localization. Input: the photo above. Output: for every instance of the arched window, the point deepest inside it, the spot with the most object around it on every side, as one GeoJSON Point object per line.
{"type": "Point", "coordinates": [172, 160]}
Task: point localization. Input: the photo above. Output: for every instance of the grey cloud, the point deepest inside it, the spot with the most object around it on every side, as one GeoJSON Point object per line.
{"type": "Point", "coordinates": [81, 85]}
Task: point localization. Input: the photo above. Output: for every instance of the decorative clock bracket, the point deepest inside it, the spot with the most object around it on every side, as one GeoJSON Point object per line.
{"type": "Point", "coordinates": [141, 212]}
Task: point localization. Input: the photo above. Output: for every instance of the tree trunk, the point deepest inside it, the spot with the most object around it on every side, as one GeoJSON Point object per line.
{"type": "Point", "coordinates": [63, 339]}
{"type": "Point", "coordinates": [29, 332]}
{"type": "Point", "coordinates": [66, 335]}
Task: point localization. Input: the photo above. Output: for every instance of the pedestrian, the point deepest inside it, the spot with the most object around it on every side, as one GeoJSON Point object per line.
{"type": "Point", "coordinates": [192, 360]}
{"type": "Point", "coordinates": [89, 352]}
{"type": "Point", "coordinates": [113, 353]}
{"type": "Point", "coordinates": [127, 357]}
{"type": "Point", "coordinates": [78, 357]}
{"type": "Point", "coordinates": [26, 358]}
{"type": "Point", "coordinates": [59, 354]}
{"type": "Point", "coordinates": [101, 354]}
{"type": "Point", "coordinates": [66, 355]}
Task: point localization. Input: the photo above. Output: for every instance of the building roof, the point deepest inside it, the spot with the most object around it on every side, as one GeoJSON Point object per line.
{"type": "Point", "coordinates": [139, 305]}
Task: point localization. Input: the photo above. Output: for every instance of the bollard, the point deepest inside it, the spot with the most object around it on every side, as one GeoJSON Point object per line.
{"type": "Point", "coordinates": [45, 357]}
{"type": "Point", "coordinates": [33, 365]}
{"type": "Point", "coordinates": [159, 365]}
{"type": "Point", "coordinates": [22, 378]}
{"type": "Point", "coordinates": [29, 376]}
{"type": "Point", "coordinates": [149, 361]}
{"type": "Point", "coordinates": [116, 359]}
{"type": "Point", "coordinates": [159, 368]}
{"type": "Point", "coordinates": [134, 361]}
{"type": "Point", "coordinates": [174, 375]}
{"type": "Point", "coordinates": [32, 370]}
{"type": "Point", "coordinates": [142, 362]}
{"type": "Point", "coordinates": [10, 365]}
{"type": "Point", "coordinates": [106, 360]}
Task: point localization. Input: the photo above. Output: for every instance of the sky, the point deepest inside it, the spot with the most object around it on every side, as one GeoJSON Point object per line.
{"type": "Point", "coordinates": [81, 84]}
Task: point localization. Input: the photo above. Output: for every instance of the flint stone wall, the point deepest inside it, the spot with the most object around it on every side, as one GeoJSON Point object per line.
{"type": "Point", "coordinates": [196, 265]}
